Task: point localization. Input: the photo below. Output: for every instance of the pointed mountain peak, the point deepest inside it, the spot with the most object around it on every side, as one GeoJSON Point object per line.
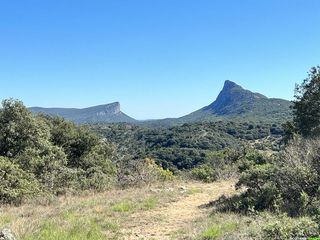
{"type": "Point", "coordinates": [230, 84]}
{"type": "Point", "coordinates": [233, 97]}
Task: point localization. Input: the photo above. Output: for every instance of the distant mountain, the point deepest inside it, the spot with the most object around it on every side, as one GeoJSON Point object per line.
{"type": "Point", "coordinates": [107, 113]}
{"type": "Point", "coordinates": [235, 103]}
{"type": "Point", "coordinates": [232, 104]}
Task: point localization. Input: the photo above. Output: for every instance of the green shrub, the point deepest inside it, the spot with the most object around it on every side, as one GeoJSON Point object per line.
{"type": "Point", "coordinates": [204, 173]}
{"type": "Point", "coordinates": [15, 184]}
{"type": "Point", "coordinates": [98, 171]}
{"type": "Point", "coordinates": [289, 228]}
{"type": "Point", "coordinates": [47, 163]}
{"type": "Point", "coordinates": [253, 158]}
{"type": "Point", "coordinates": [19, 129]}
{"type": "Point", "coordinates": [160, 173]}
{"type": "Point", "coordinates": [290, 184]}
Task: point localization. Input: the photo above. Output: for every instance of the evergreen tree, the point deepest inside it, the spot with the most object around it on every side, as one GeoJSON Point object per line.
{"type": "Point", "coordinates": [306, 107]}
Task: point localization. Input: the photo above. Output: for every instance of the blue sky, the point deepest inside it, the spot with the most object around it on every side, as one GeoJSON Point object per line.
{"type": "Point", "coordinates": [159, 58]}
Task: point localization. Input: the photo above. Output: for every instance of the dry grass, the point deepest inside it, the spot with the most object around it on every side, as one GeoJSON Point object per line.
{"type": "Point", "coordinates": [165, 211]}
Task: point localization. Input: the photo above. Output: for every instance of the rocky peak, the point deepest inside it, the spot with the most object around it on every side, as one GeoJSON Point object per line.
{"type": "Point", "coordinates": [113, 108]}
{"type": "Point", "coordinates": [229, 85]}
{"type": "Point", "coordinates": [231, 96]}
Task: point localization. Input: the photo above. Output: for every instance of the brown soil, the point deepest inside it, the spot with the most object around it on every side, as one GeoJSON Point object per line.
{"type": "Point", "coordinates": [172, 220]}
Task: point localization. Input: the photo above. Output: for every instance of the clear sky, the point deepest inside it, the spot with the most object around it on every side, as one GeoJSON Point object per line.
{"type": "Point", "coordinates": [158, 58]}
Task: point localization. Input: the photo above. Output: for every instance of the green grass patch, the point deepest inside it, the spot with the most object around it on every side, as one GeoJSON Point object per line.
{"type": "Point", "coordinates": [123, 206]}
{"type": "Point", "coordinates": [111, 226]}
{"type": "Point", "coordinates": [129, 206]}
{"type": "Point", "coordinates": [149, 203]}
{"type": "Point", "coordinates": [70, 231]}
{"type": "Point", "coordinates": [5, 220]}
{"type": "Point", "coordinates": [217, 231]}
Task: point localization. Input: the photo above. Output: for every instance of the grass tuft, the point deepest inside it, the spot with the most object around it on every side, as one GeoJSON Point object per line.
{"type": "Point", "coordinates": [216, 231]}
{"type": "Point", "coordinates": [149, 203]}
{"type": "Point", "coordinates": [123, 206]}
{"type": "Point", "coordinates": [71, 231]}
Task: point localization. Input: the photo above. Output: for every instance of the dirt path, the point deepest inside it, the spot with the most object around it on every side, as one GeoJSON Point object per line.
{"type": "Point", "coordinates": [166, 221]}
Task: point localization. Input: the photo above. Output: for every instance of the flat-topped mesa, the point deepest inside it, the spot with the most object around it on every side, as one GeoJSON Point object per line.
{"type": "Point", "coordinates": [111, 108]}
{"type": "Point", "coordinates": [117, 107]}
{"type": "Point", "coordinates": [105, 113]}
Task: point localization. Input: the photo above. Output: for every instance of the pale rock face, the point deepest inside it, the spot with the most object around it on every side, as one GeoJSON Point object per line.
{"type": "Point", "coordinates": [113, 108]}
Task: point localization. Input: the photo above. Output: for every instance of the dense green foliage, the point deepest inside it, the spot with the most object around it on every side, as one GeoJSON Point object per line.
{"type": "Point", "coordinates": [204, 173]}
{"type": "Point", "coordinates": [15, 183]}
{"type": "Point", "coordinates": [285, 227]}
{"type": "Point", "coordinates": [286, 183]}
{"type": "Point", "coordinates": [189, 145]}
{"type": "Point", "coordinates": [44, 154]}
{"type": "Point", "coordinates": [306, 107]}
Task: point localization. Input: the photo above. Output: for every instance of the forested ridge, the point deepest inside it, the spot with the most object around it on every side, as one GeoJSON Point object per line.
{"type": "Point", "coordinates": [188, 145]}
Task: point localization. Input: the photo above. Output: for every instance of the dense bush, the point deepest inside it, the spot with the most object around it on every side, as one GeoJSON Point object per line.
{"type": "Point", "coordinates": [141, 172]}
{"type": "Point", "coordinates": [19, 129]}
{"type": "Point", "coordinates": [288, 183]}
{"type": "Point", "coordinates": [204, 173]}
{"type": "Point", "coordinates": [289, 228]}
{"type": "Point", "coordinates": [40, 153]}
{"type": "Point", "coordinates": [15, 184]}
